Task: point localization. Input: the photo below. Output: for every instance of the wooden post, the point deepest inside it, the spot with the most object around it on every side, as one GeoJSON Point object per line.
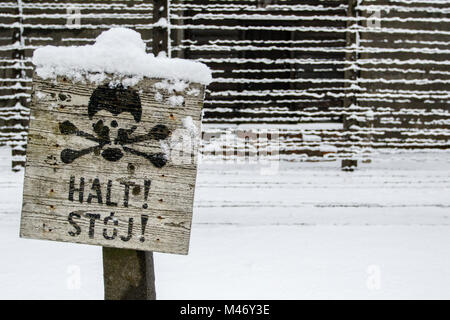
{"type": "Point", "coordinates": [130, 274]}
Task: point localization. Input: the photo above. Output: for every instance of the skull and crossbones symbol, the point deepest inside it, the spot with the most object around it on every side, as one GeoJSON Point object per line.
{"type": "Point", "coordinates": [115, 100]}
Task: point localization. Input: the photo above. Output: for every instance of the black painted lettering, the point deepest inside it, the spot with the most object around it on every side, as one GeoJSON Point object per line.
{"type": "Point", "coordinates": [72, 189]}
{"type": "Point", "coordinates": [105, 230]}
{"type": "Point", "coordinates": [74, 224]}
{"type": "Point", "coordinates": [126, 195]}
{"type": "Point", "coordinates": [108, 195]}
{"type": "Point", "coordinates": [144, 220]}
{"type": "Point", "coordinates": [98, 192]}
{"type": "Point", "coordinates": [130, 231]}
{"type": "Point", "coordinates": [92, 217]}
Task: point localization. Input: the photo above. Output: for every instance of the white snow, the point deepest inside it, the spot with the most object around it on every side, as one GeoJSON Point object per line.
{"type": "Point", "coordinates": [190, 126]}
{"type": "Point", "coordinates": [193, 92]}
{"type": "Point", "coordinates": [40, 95]}
{"type": "Point", "coordinates": [159, 97]}
{"type": "Point", "coordinates": [162, 22]}
{"type": "Point", "coordinates": [175, 101]}
{"type": "Point", "coordinates": [120, 52]}
{"type": "Point", "coordinates": [172, 86]}
{"type": "Point", "coordinates": [309, 231]}
{"type": "Point", "coordinates": [311, 138]}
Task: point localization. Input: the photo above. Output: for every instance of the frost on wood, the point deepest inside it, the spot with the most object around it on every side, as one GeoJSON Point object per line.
{"type": "Point", "coordinates": [120, 52]}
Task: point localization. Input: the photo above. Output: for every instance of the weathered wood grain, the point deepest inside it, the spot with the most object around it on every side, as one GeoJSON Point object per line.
{"type": "Point", "coordinates": [126, 203]}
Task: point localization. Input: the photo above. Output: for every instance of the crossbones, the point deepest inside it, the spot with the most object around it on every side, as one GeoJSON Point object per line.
{"type": "Point", "coordinates": [115, 100]}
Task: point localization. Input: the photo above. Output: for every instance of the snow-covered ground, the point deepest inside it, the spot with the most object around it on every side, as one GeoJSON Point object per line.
{"type": "Point", "coordinates": [308, 231]}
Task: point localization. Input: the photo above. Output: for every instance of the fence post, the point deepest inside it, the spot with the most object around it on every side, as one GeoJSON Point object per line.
{"type": "Point", "coordinates": [160, 38]}
{"type": "Point", "coordinates": [351, 73]}
{"type": "Point", "coordinates": [20, 99]}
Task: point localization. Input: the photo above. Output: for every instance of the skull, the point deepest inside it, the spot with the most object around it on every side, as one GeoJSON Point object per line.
{"type": "Point", "coordinates": [116, 134]}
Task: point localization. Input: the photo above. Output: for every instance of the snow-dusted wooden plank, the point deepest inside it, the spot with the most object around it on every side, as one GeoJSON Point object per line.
{"type": "Point", "coordinates": [103, 166]}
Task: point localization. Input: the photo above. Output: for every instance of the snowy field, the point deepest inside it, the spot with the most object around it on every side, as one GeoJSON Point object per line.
{"type": "Point", "coordinates": [309, 231]}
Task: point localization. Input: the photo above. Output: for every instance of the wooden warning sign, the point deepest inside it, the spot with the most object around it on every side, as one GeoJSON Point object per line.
{"type": "Point", "coordinates": [111, 165]}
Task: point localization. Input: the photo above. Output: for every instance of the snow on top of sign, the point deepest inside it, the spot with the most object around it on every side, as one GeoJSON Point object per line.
{"type": "Point", "coordinates": [120, 52]}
